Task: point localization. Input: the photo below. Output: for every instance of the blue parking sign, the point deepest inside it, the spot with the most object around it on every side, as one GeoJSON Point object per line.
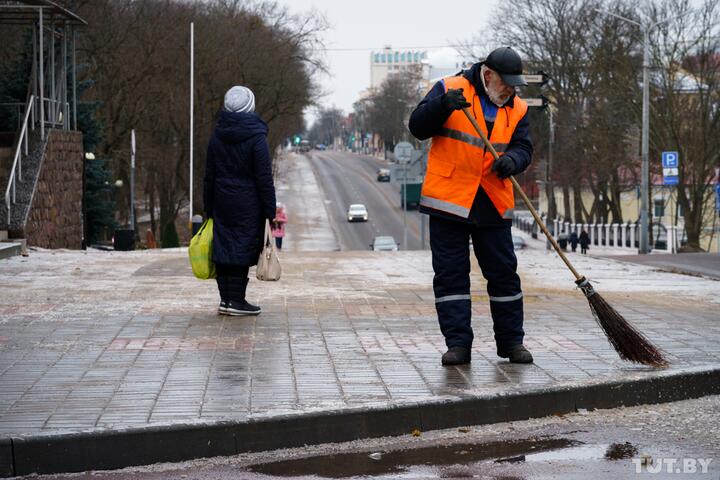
{"type": "Point", "coordinates": [670, 159]}
{"type": "Point", "coordinates": [670, 163]}
{"type": "Point", "coordinates": [717, 197]}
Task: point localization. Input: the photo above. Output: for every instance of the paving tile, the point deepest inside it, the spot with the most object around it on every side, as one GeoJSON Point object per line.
{"type": "Point", "coordinates": [113, 359]}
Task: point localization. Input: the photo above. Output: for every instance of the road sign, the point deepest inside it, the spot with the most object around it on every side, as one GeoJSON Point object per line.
{"type": "Point", "coordinates": [412, 171]}
{"type": "Point", "coordinates": [670, 163]}
{"type": "Point", "coordinates": [405, 174]}
{"type": "Point", "coordinates": [670, 180]}
{"type": "Point", "coordinates": [540, 101]}
{"type": "Point", "coordinates": [670, 159]}
{"type": "Point", "coordinates": [717, 197]}
{"type": "Point", "coordinates": [540, 78]}
{"type": "Point", "coordinates": [403, 152]}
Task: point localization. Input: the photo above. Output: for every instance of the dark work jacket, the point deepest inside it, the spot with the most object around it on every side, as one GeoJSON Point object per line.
{"type": "Point", "coordinates": [429, 117]}
{"type": "Point", "coordinates": [239, 193]}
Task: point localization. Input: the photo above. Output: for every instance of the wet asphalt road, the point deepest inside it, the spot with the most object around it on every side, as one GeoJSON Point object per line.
{"type": "Point", "coordinates": [347, 178]}
{"type": "Point", "coordinates": [667, 441]}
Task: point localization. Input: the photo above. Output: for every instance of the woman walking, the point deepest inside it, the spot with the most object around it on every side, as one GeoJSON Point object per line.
{"type": "Point", "coordinates": [239, 196]}
{"type": "Point", "coordinates": [574, 241]}
{"type": "Point", "coordinates": [584, 242]}
{"type": "Point", "coordinates": [278, 225]}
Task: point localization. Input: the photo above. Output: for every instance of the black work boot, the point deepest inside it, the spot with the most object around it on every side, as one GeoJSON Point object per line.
{"type": "Point", "coordinates": [516, 354]}
{"type": "Point", "coordinates": [456, 356]}
{"type": "Point", "coordinates": [222, 289]}
{"type": "Point", "coordinates": [237, 305]}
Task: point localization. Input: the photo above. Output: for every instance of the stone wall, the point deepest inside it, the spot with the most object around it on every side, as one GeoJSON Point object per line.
{"type": "Point", "coordinates": [55, 218]}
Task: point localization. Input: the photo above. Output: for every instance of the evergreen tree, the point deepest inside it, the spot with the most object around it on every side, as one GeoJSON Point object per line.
{"type": "Point", "coordinates": [99, 204]}
{"type": "Point", "coordinates": [14, 80]}
{"type": "Point", "coordinates": [98, 194]}
{"type": "Point", "coordinates": [170, 237]}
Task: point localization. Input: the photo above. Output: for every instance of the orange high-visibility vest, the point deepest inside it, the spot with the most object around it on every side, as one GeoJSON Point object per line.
{"type": "Point", "coordinates": [458, 162]}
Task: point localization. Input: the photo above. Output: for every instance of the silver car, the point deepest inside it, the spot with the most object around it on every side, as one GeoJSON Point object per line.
{"type": "Point", "coordinates": [518, 242]}
{"type": "Point", "coordinates": [384, 244]}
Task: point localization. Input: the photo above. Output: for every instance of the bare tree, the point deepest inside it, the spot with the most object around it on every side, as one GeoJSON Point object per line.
{"type": "Point", "coordinates": [327, 127]}
{"type": "Point", "coordinates": [686, 104]}
{"type": "Point", "coordinates": [138, 54]}
{"type": "Point", "coordinates": [593, 61]}
{"type": "Point", "coordinates": [390, 107]}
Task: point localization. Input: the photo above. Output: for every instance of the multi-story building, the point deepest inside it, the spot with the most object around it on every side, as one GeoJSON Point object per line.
{"type": "Point", "coordinates": [389, 61]}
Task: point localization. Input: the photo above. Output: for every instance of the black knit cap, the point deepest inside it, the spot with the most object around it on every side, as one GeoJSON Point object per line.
{"type": "Point", "coordinates": [507, 63]}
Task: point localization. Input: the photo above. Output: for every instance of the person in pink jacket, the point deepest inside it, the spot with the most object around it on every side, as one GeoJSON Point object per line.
{"type": "Point", "coordinates": [278, 225]}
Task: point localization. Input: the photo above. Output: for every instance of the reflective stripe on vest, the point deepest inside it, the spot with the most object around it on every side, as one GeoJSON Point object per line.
{"type": "Point", "coordinates": [472, 140]}
{"type": "Point", "coordinates": [458, 162]}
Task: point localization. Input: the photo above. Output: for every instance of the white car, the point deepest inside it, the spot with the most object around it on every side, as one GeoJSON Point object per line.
{"type": "Point", "coordinates": [357, 213]}
{"type": "Point", "coordinates": [384, 244]}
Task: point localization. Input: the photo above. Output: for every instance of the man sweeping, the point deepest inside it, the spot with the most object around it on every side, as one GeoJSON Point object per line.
{"type": "Point", "coordinates": [468, 196]}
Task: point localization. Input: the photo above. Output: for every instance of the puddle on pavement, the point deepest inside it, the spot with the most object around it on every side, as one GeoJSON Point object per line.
{"type": "Point", "coordinates": [429, 460]}
{"type": "Point", "coordinates": [433, 462]}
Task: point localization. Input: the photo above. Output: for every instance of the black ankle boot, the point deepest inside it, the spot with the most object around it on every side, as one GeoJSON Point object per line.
{"type": "Point", "coordinates": [456, 356]}
{"type": "Point", "coordinates": [237, 305]}
{"type": "Point", "coordinates": [222, 289]}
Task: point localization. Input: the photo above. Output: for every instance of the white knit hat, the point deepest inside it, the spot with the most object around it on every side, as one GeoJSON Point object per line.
{"type": "Point", "coordinates": [240, 99]}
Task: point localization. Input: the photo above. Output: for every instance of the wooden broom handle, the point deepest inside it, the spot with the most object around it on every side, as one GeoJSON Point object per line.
{"type": "Point", "coordinates": [524, 197]}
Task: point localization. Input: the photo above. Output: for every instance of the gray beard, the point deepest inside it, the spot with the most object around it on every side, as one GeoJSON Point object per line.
{"type": "Point", "coordinates": [495, 98]}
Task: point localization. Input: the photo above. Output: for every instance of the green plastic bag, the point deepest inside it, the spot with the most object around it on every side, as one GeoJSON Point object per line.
{"type": "Point", "coordinates": [200, 252]}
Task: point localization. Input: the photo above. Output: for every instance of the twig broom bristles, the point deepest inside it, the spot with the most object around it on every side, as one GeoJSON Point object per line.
{"type": "Point", "coordinates": [629, 343]}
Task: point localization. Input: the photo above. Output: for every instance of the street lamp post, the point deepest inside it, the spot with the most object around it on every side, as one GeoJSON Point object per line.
{"type": "Point", "coordinates": [132, 179]}
{"type": "Point", "coordinates": [645, 171]}
{"type": "Point", "coordinates": [192, 118]}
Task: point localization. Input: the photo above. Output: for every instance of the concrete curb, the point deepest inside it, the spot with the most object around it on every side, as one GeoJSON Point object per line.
{"type": "Point", "coordinates": [9, 249]}
{"type": "Point", "coordinates": [112, 449]}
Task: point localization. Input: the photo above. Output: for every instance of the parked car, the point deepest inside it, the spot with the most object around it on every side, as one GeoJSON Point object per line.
{"type": "Point", "coordinates": [518, 242]}
{"type": "Point", "coordinates": [384, 244]}
{"type": "Point", "coordinates": [383, 175]}
{"type": "Point", "coordinates": [320, 146]}
{"type": "Point", "coordinates": [357, 212]}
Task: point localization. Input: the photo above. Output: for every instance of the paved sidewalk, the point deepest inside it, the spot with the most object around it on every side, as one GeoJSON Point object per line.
{"type": "Point", "coordinates": [308, 227]}
{"type": "Point", "coordinates": [103, 340]}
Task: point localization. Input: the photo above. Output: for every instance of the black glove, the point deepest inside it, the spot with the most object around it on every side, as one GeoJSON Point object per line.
{"type": "Point", "coordinates": [504, 166]}
{"type": "Point", "coordinates": [453, 99]}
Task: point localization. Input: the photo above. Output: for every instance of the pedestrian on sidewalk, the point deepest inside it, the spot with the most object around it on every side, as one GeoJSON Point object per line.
{"type": "Point", "coordinates": [277, 226]}
{"type": "Point", "coordinates": [469, 200]}
{"type": "Point", "coordinates": [574, 241]}
{"type": "Point", "coordinates": [584, 242]}
{"type": "Point", "coordinates": [239, 196]}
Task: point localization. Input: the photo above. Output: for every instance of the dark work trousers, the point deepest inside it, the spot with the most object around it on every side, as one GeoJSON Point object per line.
{"type": "Point", "coordinates": [449, 242]}
{"type": "Point", "coordinates": [232, 282]}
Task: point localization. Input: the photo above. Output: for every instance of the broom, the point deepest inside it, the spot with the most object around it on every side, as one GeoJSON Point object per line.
{"type": "Point", "coordinates": [628, 342]}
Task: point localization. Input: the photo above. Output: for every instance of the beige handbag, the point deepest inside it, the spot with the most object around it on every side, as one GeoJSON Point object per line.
{"type": "Point", "coordinates": [268, 266]}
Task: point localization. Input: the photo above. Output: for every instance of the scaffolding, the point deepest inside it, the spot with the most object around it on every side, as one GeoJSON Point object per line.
{"type": "Point", "coordinates": [54, 56]}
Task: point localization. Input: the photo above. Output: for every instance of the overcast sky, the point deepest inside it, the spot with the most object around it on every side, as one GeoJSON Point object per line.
{"type": "Point", "coordinates": [371, 24]}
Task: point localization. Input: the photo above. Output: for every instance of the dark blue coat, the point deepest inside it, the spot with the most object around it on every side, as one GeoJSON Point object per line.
{"type": "Point", "coordinates": [239, 193]}
{"type": "Point", "coordinates": [429, 117]}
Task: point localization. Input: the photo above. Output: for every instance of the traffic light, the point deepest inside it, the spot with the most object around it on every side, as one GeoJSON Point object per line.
{"type": "Point", "coordinates": [296, 140]}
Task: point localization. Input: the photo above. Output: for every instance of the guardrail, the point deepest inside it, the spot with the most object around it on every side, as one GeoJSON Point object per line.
{"type": "Point", "coordinates": [606, 235]}
{"type": "Point", "coordinates": [16, 170]}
